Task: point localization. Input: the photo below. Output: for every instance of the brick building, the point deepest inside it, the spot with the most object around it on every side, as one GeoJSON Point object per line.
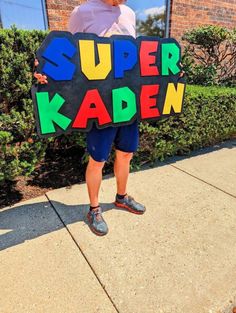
{"type": "Point", "coordinates": [180, 14]}
{"type": "Point", "coordinates": [186, 14]}
{"type": "Point", "coordinates": [58, 12]}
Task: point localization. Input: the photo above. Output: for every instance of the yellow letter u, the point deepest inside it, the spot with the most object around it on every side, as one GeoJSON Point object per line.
{"type": "Point", "coordinates": [87, 57]}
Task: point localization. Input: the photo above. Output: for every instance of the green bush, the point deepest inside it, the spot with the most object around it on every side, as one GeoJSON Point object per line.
{"type": "Point", "coordinates": [209, 115]}
{"type": "Point", "coordinates": [210, 56]}
{"type": "Point", "coordinates": [20, 147]}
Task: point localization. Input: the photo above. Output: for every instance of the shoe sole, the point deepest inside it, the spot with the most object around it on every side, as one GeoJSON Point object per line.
{"type": "Point", "coordinates": [92, 228]}
{"type": "Point", "coordinates": [123, 206]}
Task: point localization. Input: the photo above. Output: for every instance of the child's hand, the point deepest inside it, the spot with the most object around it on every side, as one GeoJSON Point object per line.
{"type": "Point", "coordinates": [42, 79]}
{"type": "Point", "coordinates": [182, 72]}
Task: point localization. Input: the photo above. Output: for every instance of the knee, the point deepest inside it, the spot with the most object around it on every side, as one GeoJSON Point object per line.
{"type": "Point", "coordinates": [124, 156]}
{"type": "Point", "coordinates": [95, 165]}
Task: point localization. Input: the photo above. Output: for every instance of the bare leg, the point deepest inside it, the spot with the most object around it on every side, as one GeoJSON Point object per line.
{"type": "Point", "coordinates": [93, 179]}
{"type": "Point", "coordinates": [121, 170]}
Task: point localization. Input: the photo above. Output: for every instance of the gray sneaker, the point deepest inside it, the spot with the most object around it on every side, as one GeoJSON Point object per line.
{"type": "Point", "coordinates": [96, 222]}
{"type": "Point", "coordinates": [130, 204]}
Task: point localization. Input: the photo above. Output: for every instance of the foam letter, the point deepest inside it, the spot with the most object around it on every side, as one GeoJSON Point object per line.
{"type": "Point", "coordinates": [147, 104]}
{"type": "Point", "coordinates": [147, 61]}
{"type": "Point", "coordinates": [57, 65]}
{"type": "Point", "coordinates": [119, 96]}
{"type": "Point", "coordinates": [88, 62]}
{"type": "Point", "coordinates": [170, 57]}
{"type": "Point", "coordinates": [87, 112]}
{"type": "Point", "coordinates": [125, 57]}
{"type": "Point", "coordinates": [174, 98]}
{"type": "Point", "coordinates": [48, 112]}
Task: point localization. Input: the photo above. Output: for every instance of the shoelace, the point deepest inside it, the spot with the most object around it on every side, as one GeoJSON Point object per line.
{"type": "Point", "coordinates": [97, 213]}
{"type": "Point", "coordinates": [130, 198]}
{"type": "Point", "coordinates": [131, 201]}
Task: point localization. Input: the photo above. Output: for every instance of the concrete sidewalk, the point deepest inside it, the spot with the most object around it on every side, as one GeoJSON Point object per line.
{"type": "Point", "coordinates": [179, 257]}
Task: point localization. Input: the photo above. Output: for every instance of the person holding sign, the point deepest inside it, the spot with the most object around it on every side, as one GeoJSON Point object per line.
{"type": "Point", "coordinates": [106, 18]}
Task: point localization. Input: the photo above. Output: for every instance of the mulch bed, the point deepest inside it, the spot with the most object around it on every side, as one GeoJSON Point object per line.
{"type": "Point", "coordinates": [59, 169]}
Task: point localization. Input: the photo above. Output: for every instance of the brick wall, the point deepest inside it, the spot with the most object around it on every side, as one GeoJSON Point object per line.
{"type": "Point", "coordinates": [186, 14]}
{"type": "Point", "coordinates": [58, 12]}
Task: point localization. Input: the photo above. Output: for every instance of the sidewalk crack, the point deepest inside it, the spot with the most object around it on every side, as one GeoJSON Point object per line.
{"type": "Point", "coordinates": [202, 180]}
{"type": "Point", "coordinates": [86, 259]}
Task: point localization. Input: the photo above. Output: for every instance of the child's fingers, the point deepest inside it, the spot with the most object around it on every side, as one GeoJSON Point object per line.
{"type": "Point", "coordinates": [36, 62]}
{"type": "Point", "coordinates": [37, 75]}
{"type": "Point", "coordinates": [42, 79]}
{"type": "Point", "coordinates": [182, 73]}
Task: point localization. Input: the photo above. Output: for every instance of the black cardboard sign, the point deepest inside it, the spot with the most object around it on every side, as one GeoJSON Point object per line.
{"type": "Point", "coordinates": [108, 81]}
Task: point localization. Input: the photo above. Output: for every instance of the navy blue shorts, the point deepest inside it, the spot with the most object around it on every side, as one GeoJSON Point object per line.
{"type": "Point", "coordinates": [99, 141]}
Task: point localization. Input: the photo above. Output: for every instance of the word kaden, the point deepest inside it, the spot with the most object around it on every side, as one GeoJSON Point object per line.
{"type": "Point", "coordinates": [93, 107]}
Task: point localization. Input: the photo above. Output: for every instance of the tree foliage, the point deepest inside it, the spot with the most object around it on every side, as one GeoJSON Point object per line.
{"type": "Point", "coordinates": [210, 55]}
{"type": "Point", "coordinates": [154, 25]}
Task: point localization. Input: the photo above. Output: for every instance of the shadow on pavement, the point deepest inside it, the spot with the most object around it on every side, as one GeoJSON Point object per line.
{"type": "Point", "coordinates": [30, 221]}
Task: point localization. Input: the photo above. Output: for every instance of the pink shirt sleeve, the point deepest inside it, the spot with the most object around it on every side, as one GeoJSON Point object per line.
{"type": "Point", "coordinates": [75, 23]}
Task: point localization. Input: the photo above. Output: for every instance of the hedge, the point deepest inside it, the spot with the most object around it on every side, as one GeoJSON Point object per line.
{"type": "Point", "coordinates": [209, 115]}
